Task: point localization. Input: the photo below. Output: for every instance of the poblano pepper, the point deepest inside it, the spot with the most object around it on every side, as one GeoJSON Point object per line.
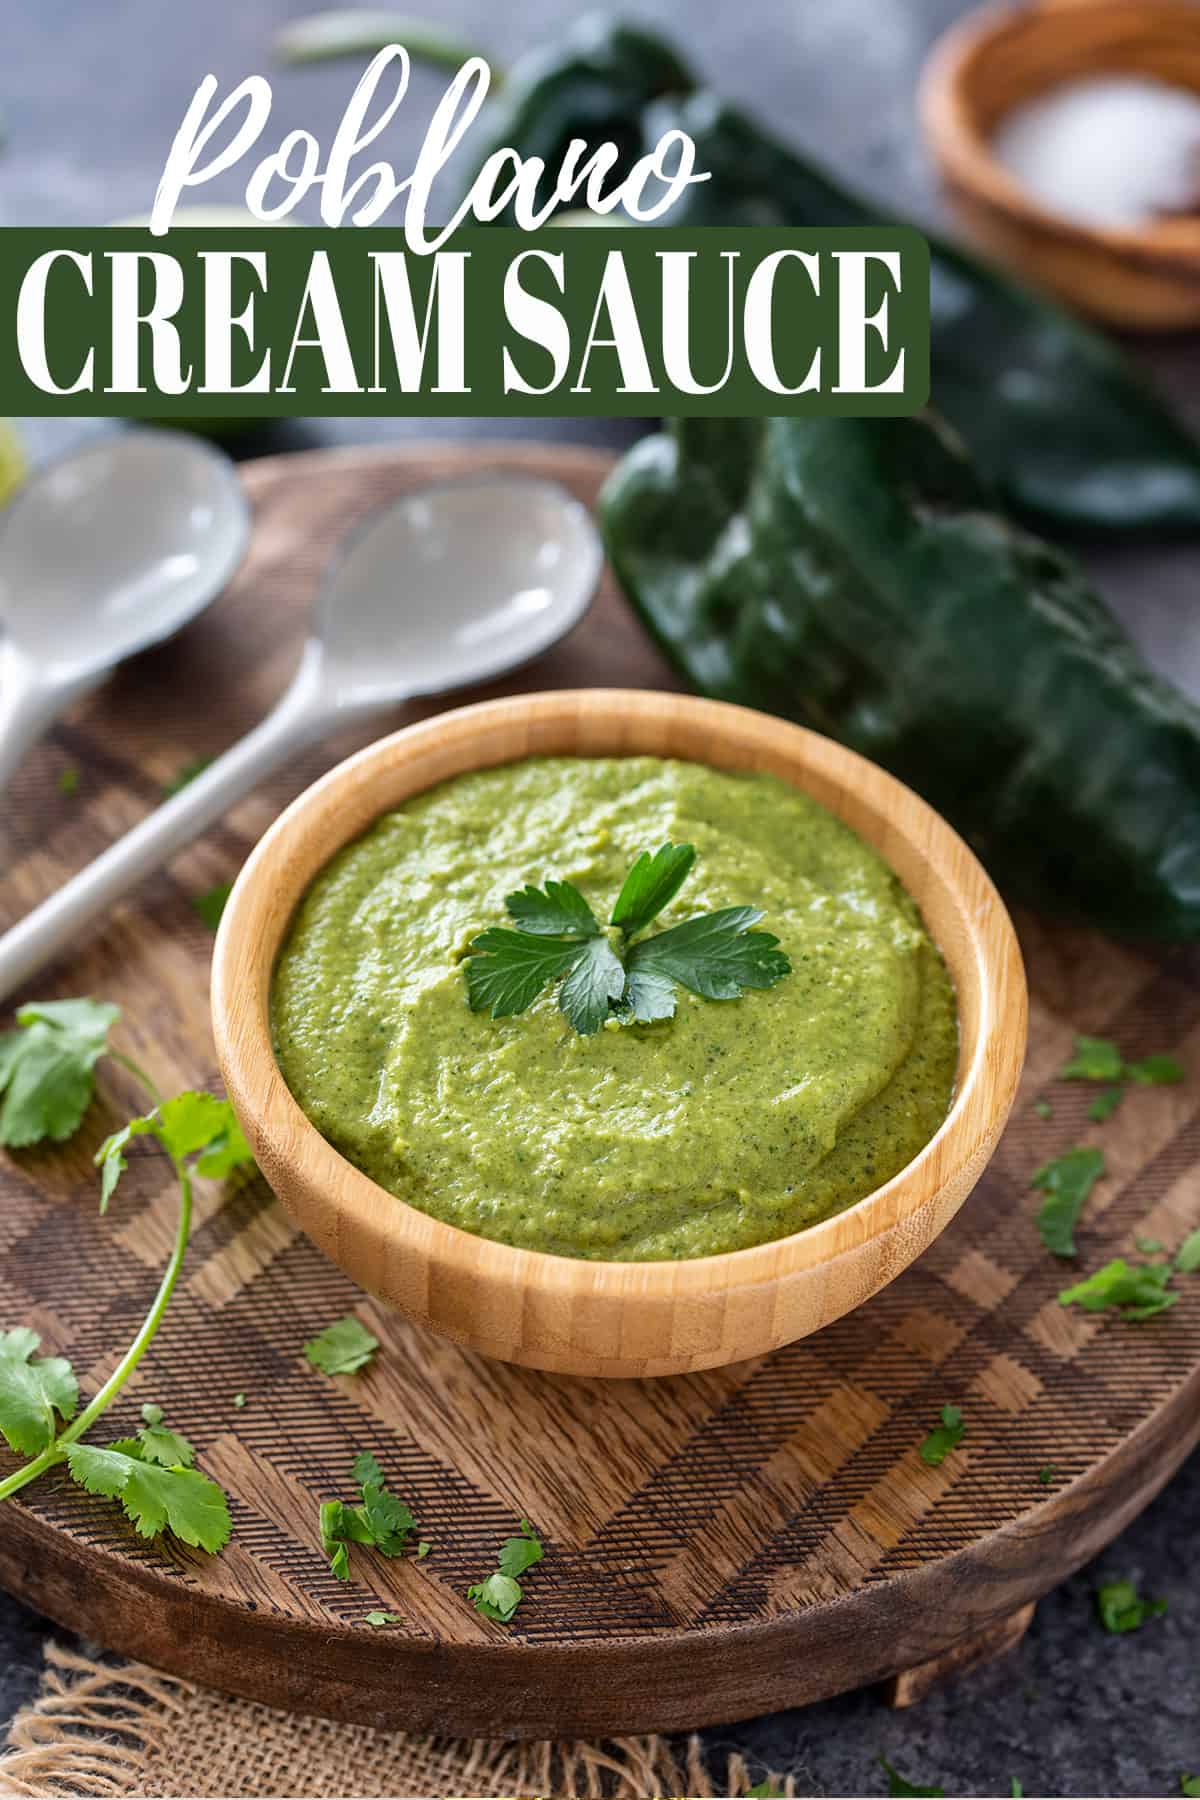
{"type": "Point", "coordinates": [851, 574]}
{"type": "Point", "coordinates": [1053, 413]}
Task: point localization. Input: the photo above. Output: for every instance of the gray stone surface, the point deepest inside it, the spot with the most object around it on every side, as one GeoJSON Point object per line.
{"type": "Point", "coordinates": [92, 91]}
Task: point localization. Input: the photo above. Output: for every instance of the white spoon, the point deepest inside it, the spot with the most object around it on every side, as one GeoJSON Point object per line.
{"type": "Point", "coordinates": [102, 554]}
{"type": "Point", "coordinates": [455, 583]}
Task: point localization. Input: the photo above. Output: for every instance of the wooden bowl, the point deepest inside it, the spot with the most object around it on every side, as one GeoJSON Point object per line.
{"type": "Point", "coordinates": [1146, 279]}
{"type": "Point", "coordinates": [607, 1318]}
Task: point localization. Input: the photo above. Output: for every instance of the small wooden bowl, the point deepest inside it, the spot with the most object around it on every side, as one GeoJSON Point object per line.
{"type": "Point", "coordinates": [606, 1318]}
{"type": "Point", "coordinates": [1146, 279]}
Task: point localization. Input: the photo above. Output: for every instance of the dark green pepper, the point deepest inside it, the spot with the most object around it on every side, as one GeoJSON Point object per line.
{"type": "Point", "coordinates": [850, 574]}
{"type": "Point", "coordinates": [1053, 413]}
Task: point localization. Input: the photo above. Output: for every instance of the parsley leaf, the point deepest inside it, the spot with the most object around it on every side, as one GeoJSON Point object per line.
{"type": "Point", "coordinates": [715, 954]}
{"type": "Point", "coordinates": [499, 1596]}
{"type": "Point", "coordinates": [557, 910]}
{"type": "Point", "coordinates": [181, 1500]}
{"type": "Point", "coordinates": [905, 1790]}
{"type": "Point", "coordinates": [383, 1618]}
{"type": "Point", "coordinates": [1135, 1290]}
{"type": "Point", "coordinates": [651, 884]}
{"type": "Point", "coordinates": [47, 1068]}
{"type": "Point", "coordinates": [1187, 1257]}
{"type": "Point", "coordinates": [32, 1390]}
{"type": "Point", "coordinates": [1095, 1059]}
{"type": "Point", "coordinates": [944, 1437]}
{"type": "Point", "coordinates": [1121, 1607]}
{"type": "Point", "coordinates": [209, 907]}
{"type": "Point", "coordinates": [342, 1348]}
{"type": "Point", "coordinates": [1066, 1182]}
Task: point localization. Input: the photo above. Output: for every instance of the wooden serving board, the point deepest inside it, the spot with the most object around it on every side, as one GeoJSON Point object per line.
{"type": "Point", "coordinates": [718, 1545]}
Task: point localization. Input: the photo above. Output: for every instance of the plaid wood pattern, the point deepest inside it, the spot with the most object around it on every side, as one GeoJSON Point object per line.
{"type": "Point", "coordinates": [716, 1544]}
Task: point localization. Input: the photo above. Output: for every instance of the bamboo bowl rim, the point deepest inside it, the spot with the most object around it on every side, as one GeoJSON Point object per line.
{"type": "Point", "coordinates": [961, 143]}
{"type": "Point", "coordinates": [615, 722]}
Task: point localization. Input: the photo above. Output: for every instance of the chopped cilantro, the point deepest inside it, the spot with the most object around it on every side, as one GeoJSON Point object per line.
{"type": "Point", "coordinates": [184, 775]}
{"type": "Point", "coordinates": [382, 1521]}
{"type": "Point", "coordinates": [384, 1618]}
{"type": "Point", "coordinates": [239, 1400]}
{"type": "Point", "coordinates": [1095, 1059]}
{"type": "Point", "coordinates": [1155, 1071]}
{"type": "Point", "coordinates": [68, 780]}
{"type": "Point", "coordinates": [499, 1596]}
{"type": "Point", "coordinates": [1121, 1607]}
{"type": "Point", "coordinates": [1105, 1104]}
{"type": "Point", "coordinates": [47, 1068]}
{"type": "Point", "coordinates": [423, 1548]}
{"type": "Point", "coordinates": [1043, 1109]}
{"type": "Point", "coordinates": [1187, 1257]}
{"type": "Point", "coordinates": [1066, 1181]}
{"type": "Point", "coordinates": [1135, 1290]}
{"type": "Point", "coordinates": [342, 1348]}
{"type": "Point", "coordinates": [944, 1437]}
{"type": "Point", "coordinates": [902, 1789]}
{"type": "Point", "coordinates": [1149, 1246]}
{"type": "Point", "coordinates": [715, 955]}
{"type": "Point", "coordinates": [1048, 1474]}
{"type": "Point", "coordinates": [209, 907]}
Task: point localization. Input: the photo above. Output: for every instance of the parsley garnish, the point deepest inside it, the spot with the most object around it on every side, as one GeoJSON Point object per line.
{"type": "Point", "coordinates": [1135, 1290]}
{"type": "Point", "coordinates": [944, 1437]}
{"type": "Point", "coordinates": [342, 1348]}
{"type": "Point", "coordinates": [500, 1595]}
{"type": "Point", "coordinates": [209, 907]}
{"type": "Point", "coordinates": [905, 1790]}
{"type": "Point", "coordinates": [1121, 1607]}
{"type": "Point", "coordinates": [47, 1067]}
{"type": "Point", "coordinates": [1066, 1182]}
{"type": "Point", "coordinates": [381, 1521]}
{"type": "Point", "coordinates": [384, 1618]}
{"type": "Point", "coordinates": [715, 955]}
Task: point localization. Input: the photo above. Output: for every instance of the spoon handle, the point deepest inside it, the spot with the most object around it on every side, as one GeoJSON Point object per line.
{"type": "Point", "coordinates": [56, 924]}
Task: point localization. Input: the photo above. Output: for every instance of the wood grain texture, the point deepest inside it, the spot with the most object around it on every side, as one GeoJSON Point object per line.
{"type": "Point", "coordinates": [613, 1319]}
{"type": "Point", "coordinates": [718, 1544]}
{"type": "Point", "coordinates": [1145, 278]}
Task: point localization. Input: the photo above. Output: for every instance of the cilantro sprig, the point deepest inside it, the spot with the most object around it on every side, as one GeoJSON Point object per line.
{"type": "Point", "coordinates": [559, 938]}
{"type": "Point", "coordinates": [47, 1077]}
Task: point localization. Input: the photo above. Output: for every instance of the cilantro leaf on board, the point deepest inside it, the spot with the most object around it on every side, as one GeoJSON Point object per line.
{"type": "Point", "coordinates": [1095, 1059]}
{"type": "Point", "coordinates": [343, 1348]}
{"type": "Point", "coordinates": [901, 1789]}
{"type": "Point", "coordinates": [1105, 1104]}
{"type": "Point", "coordinates": [47, 1068]}
{"type": "Point", "coordinates": [556, 910]}
{"type": "Point", "coordinates": [155, 1499]}
{"type": "Point", "coordinates": [944, 1437]}
{"type": "Point", "coordinates": [185, 774]}
{"type": "Point", "coordinates": [160, 1445]}
{"type": "Point", "coordinates": [1187, 1257]}
{"type": "Point", "coordinates": [1156, 1071]}
{"type": "Point", "coordinates": [1135, 1290]}
{"type": "Point", "coordinates": [715, 954]}
{"type": "Point", "coordinates": [651, 884]}
{"type": "Point", "coordinates": [32, 1390]}
{"type": "Point", "coordinates": [383, 1618]}
{"type": "Point", "coordinates": [383, 1521]}
{"type": "Point", "coordinates": [1066, 1181]}
{"type": "Point", "coordinates": [499, 1596]}
{"type": "Point", "coordinates": [209, 907]}
{"type": "Point", "coordinates": [1121, 1607]}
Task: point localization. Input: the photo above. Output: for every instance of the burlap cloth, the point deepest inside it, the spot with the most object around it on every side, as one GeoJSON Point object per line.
{"type": "Point", "coordinates": [107, 1728]}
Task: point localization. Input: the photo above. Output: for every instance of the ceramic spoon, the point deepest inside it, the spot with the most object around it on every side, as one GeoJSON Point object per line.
{"type": "Point", "coordinates": [455, 583]}
{"type": "Point", "coordinates": [102, 554]}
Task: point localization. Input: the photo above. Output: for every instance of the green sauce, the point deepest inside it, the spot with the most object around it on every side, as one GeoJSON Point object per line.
{"type": "Point", "coordinates": [736, 1122]}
